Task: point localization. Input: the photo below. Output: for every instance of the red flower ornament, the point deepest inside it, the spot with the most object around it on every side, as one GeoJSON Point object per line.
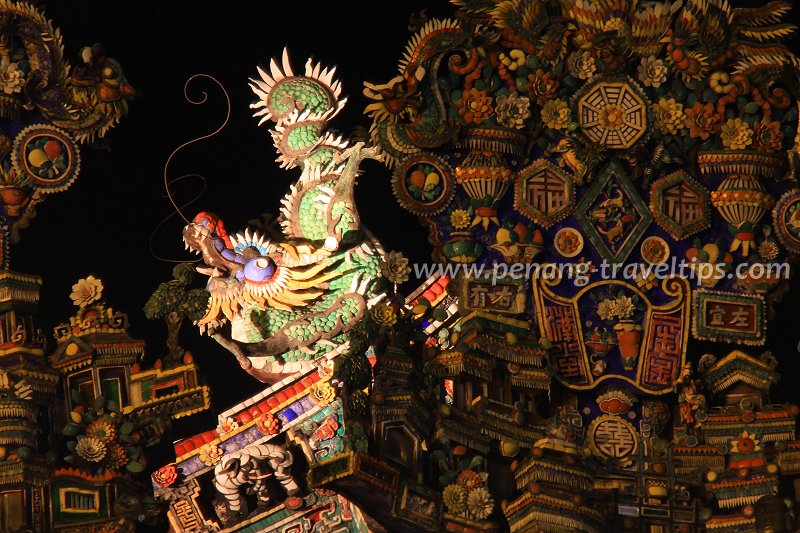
{"type": "Point", "coordinates": [267, 424]}
{"type": "Point", "coordinates": [165, 476]}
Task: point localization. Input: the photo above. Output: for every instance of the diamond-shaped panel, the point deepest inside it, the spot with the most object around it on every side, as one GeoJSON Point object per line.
{"type": "Point", "coordinates": [544, 193]}
{"type": "Point", "coordinates": [613, 214]}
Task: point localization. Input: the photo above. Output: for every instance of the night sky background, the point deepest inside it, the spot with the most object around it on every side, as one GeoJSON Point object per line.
{"type": "Point", "coordinates": [104, 223]}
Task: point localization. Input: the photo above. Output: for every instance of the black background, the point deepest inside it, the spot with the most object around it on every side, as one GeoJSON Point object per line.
{"type": "Point", "coordinates": [103, 224]}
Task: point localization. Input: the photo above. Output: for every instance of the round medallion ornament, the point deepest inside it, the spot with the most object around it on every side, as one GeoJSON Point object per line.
{"type": "Point", "coordinates": [568, 242]}
{"type": "Point", "coordinates": [612, 437]}
{"type": "Point", "coordinates": [655, 250]}
{"type": "Point", "coordinates": [613, 113]}
{"type": "Point", "coordinates": [423, 184]}
{"type": "Point", "coordinates": [47, 156]}
{"type": "Point", "coordinates": [786, 217]}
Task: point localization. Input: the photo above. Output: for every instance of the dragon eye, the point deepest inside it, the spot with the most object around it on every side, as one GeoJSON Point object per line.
{"type": "Point", "coordinates": [259, 269]}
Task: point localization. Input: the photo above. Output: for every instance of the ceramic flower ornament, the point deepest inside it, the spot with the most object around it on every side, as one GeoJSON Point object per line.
{"type": "Point", "coordinates": [165, 476]}
{"type": "Point", "coordinates": [394, 267]}
{"type": "Point", "coordinates": [12, 79]}
{"type": "Point", "coordinates": [91, 448]}
{"type": "Point", "coordinates": [87, 291]}
{"type": "Point", "coordinates": [513, 110]}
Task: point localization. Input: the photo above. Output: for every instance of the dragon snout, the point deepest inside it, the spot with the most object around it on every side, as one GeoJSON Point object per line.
{"type": "Point", "coordinates": [194, 235]}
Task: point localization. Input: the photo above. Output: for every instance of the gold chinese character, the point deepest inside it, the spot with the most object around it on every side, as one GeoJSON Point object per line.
{"type": "Point", "coordinates": [717, 316]}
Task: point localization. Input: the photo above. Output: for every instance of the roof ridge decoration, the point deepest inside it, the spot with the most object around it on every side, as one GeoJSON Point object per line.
{"type": "Point", "coordinates": [553, 133]}
{"type": "Point", "coordinates": [93, 316]}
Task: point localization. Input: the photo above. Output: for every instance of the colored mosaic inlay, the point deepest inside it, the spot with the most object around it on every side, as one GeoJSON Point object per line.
{"type": "Point", "coordinates": [613, 114]}
{"type": "Point", "coordinates": [680, 205]}
{"type": "Point", "coordinates": [544, 193]}
{"type": "Point", "coordinates": [613, 215]}
{"type": "Point", "coordinates": [728, 317]}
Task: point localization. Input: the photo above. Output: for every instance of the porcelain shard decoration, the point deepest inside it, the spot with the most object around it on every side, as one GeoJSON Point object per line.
{"type": "Point", "coordinates": [423, 184]}
{"type": "Point", "coordinates": [613, 113]}
{"type": "Point", "coordinates": [729, 317]}
{"type": "Point", "coordinates": [613, 215]}
{"type": "Point", "coordinates": [528, 133]}
{"type": "Point", "coordinates": [612, 437]}
{"type": "Point", "coordinates": [544, 193]}
{"type": "Point", "coordinates": [282, 305]}
{"type": "Point", "coordinates": [680, 205]}
{"type": "Point", "coordinates": [49, 108]}
{"type": "Point", "coordinates": [742, 200]}
{"type": "Point", "coordinates": [46, 156]}
{"type": "Point", "coordinates": [786, 218]}
{"type": "Point", "coordinates": [650, 343]}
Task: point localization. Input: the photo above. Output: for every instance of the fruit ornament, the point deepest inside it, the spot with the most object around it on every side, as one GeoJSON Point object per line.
{"type": "Point", "coordinates": [709, 263]}
{"type": "Point", "coordinates": [517, 242]}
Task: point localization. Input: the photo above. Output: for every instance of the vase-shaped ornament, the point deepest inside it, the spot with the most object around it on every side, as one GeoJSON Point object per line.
{"type": "Point", "coordinates": [742, 201]}
{"type": "Point", "coordinates": [485, 177]}
{"type": "Point", "coordinates": [462, 247]}
{"type": "Point", "coordinates": [629, 339]}
{"type": "Point", "coordinates": [741, 198]}
{"type": "Point", "coordinates": [15, 199]}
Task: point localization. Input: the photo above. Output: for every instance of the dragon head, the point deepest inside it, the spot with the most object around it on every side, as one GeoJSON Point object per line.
{"type": "Point", "coordinates": [398, 99]}
{"type": "Point", "coordinates": [247, 270]}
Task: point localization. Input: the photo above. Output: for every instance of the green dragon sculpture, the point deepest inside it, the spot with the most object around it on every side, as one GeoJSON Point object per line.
{"type": "Point", "coordinates": [282, 305]}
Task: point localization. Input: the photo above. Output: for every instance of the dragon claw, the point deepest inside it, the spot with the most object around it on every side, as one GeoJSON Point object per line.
{"type": "Point", "coordinates": [362, 289]}
{"type": "Point", "coordinates": [375, 299]}
{"type": "Point", "coordinates": [354, 284]}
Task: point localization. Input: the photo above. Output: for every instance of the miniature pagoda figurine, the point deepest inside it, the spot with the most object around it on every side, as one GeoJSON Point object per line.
{"type": "Point", "coordinates": [114, 410]}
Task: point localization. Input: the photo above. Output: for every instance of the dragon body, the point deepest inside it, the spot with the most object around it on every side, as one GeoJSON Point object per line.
{"type": "Point", "coordinates": [410, 112]}
{"type": "Point", "coordinates": [282, 304]}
